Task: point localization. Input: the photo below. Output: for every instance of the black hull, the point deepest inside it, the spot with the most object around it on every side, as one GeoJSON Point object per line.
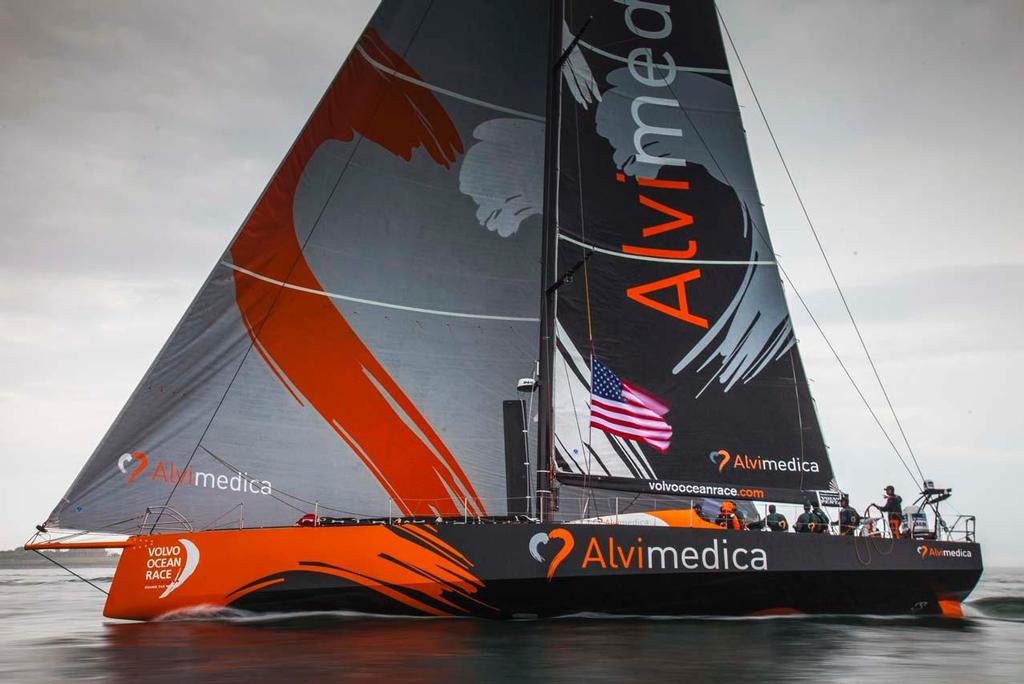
{"type": "Point", "coordinates": [805, 574]}
{"type": "Point", "coordinates": [856, 593]}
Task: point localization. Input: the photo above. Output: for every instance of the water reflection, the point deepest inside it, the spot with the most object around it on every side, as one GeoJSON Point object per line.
{"type": "Point", "coordinates": [334, 648]}
{"type": "Point", "coordinates": [54, 633]}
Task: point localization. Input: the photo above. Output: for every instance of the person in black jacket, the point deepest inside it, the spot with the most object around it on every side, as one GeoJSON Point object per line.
{"type": "Point", "coordinates": [849, 519]}
{"type": "Point", "coordinates": [806, 522]}
{"type": "Point", "coordinates": [821, 521]}
{"type": "Point", "coordinates": [893, 508]}
{"type": "Point", "coordinates": [776, 521]}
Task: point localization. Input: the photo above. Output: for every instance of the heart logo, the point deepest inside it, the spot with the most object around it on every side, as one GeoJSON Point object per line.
{"type": "Point", "coordinates": [137, 456]}
{"type": "Point", "coordinates": [720, 457]}
{"type": "Point", "coordinates": [923, 550]}
{"type": "Point", "coordinates": [543, 538]}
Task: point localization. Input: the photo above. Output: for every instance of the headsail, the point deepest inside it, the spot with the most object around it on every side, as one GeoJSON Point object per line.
{"type": "Point", "coordinates": [354, 346]}
{"type": "Point", "coordinates": [675, 369]}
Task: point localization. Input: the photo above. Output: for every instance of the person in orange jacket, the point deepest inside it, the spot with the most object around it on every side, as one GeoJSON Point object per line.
{"type": "Point", "coordinates": [727, 517]}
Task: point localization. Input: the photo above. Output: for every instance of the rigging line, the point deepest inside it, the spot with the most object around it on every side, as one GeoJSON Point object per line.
{"type": "Point", "coordinates": [208, 525]}
{"type": "Point", "coordinates": [273, 305]}
{"type": "Point", "coordinates": [799, 417]}
{"type": "Point", "coordinates": [848, 375]}
{"type": "Point", "coordinates": [586, 268]}
{"type": "Point", "coordinates": [67, 569]}
{"type": "Point", "coordinates": [817, 240]}
{"type": "Point", "coordinates": [252, 478]}
{"type": "Point", "coordinates": [760, 231]}
{"type": "Point", "coordinates": [527, 420]}
{"type": "Point", "coordinates": [576, 416]}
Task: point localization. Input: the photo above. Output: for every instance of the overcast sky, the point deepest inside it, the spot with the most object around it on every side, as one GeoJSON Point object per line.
{"type": "Point", "coordinates": [135, 136]}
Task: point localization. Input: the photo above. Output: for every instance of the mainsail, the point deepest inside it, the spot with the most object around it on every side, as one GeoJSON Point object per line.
{"type": "Point", "coordinates": [675, 365]}
{"type": "Point", "coordinates": [352, 349]}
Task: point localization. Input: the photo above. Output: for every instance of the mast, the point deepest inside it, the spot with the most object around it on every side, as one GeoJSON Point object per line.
{"type": "Point", "coordinates": [549, 262]}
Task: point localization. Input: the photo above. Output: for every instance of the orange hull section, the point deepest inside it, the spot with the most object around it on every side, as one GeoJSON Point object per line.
{"type": "Point", "coordinates": [161, 574]}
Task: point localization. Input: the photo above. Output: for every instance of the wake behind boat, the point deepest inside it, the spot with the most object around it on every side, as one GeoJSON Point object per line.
{"type": "Point", "coordinates": [369, 356]}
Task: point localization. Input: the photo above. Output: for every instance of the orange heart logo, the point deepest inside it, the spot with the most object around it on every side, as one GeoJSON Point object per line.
{"type": "Point", "coordinates": [923, 550]}
{"type": "Point", "coordinates": [568, 543]}
{"type": "Point", "coordinates": [720, 454]}
{"type": "Point", "coordinates": [543, 538]}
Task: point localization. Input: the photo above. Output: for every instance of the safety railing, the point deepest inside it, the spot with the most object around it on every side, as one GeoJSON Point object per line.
{"type": "Point", "coordinates": [158, 519]}
{"type": "Point", "coordinates": [580, 510]}
{"type": "Point", "coordinates": [962, 529]}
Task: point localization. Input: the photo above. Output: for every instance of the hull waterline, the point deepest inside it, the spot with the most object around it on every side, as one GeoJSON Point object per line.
{"type": "Point", "coordinates": [512, 570]}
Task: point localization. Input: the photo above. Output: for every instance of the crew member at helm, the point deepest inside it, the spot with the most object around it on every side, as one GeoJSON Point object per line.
{"type": "Point", "coordinates": [893, 509]}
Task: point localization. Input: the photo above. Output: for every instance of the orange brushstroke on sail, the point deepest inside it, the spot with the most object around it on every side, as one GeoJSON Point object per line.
{"type": "Point", "coordinates": [305, 335]}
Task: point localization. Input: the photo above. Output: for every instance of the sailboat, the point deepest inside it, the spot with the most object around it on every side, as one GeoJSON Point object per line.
{"type": "Point", "coordinates": [499, 338]}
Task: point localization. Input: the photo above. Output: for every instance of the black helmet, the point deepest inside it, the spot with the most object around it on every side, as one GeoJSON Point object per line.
{"type": "Point", "coordinates": [807, 505]}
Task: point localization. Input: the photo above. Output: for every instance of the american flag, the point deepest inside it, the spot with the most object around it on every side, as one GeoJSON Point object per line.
{"type": "Point", "coordinates": [623, 409]}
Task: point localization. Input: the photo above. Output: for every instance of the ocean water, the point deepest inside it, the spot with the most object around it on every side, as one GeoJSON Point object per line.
{"type": "Point", "coordinates": [51, 629]}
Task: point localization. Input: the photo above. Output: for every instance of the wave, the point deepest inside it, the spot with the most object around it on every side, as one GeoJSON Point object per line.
{"type": "Point", "coordinates": [17, 582]}
{"type": "Point", "coordinates": [830, 618]}
{"type": "Point", "coordinates": [1001, 607]}
{"type": "Point", "coordinates": [212, 613]}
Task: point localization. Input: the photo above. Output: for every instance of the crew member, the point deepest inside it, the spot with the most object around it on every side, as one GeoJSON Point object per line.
{"type": "Point", "coordinates": [893, 508]}
{"type": "Point", "coordinates": [820, 518]}
{"type": "Point", "coordinates": [699, 510]}
{"type": "Point", "coordinates": [727, 517]}
{"type": "Point", "coordinates": [776, 521]}
{"type": "Point", "coordinates": [849, 519]}
{"type": "Point", "coordinates": [807, 522]}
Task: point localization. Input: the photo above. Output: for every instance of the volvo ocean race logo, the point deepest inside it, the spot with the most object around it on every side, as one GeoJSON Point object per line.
{"type": "Point", "coordinates": [135, 464]}
{"type": "Point", "coordinates": [542, 538]}
{"type": "Point", "coordinates": [168, 567]}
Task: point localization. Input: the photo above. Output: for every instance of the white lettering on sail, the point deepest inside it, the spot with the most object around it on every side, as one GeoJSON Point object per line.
{"type": "Point", "coordinates": [643, 129]}
{"type": "Point", "coordinates": [656, 11]}
{"type": "Point", "coordinates": [644, 58]}
{"type": "Point", "coordinates": [642, 67]}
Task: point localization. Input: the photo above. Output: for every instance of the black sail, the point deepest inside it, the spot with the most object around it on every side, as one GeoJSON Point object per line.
{"type": "Point", "coordinates": [675, 367]}
{"type": "Point", "coordinates": [352, 349]}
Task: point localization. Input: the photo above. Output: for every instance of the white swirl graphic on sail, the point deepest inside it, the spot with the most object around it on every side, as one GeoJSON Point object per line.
{"type": "Point", "coordinates": [577, 73]}
{"type": "Point", "coordinates": [504, 170]}
{"type": "Point", "coordinates": [503, 173]}
{"type": "Point", "coordinates": [755, 327]}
